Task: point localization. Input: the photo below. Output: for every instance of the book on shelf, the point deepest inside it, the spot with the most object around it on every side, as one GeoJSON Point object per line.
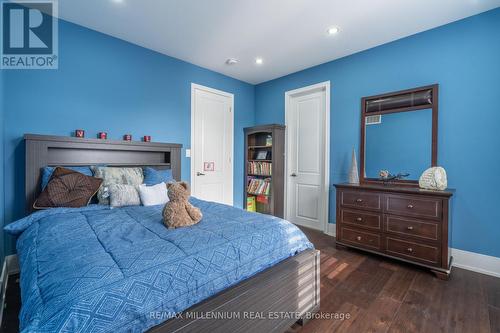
{"type": "Point", "coordinates": [260, 168]}
{"type": "Point", "coordinates": [259, 186]}
{"type": "Point", "coordinates": [251, 207]}
{"type": "Point", "coordinates": [262, 199]}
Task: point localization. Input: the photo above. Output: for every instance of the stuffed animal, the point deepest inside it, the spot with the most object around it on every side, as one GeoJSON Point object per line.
{"type": "Point", "coordinates": [178, 212]}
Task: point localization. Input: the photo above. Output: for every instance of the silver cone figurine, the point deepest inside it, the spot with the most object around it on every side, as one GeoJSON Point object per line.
{"type": "Point", "coordinates": [353, 173]}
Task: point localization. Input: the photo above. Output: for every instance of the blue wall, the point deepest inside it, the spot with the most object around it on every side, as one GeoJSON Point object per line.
{"type": "Point", "coordinates": [2, 96]}
{"type": "Point", "coordinates": [106, 84]}
{"type": "Point", "coordinates": [464, 58]}
{"type": "Point", "coordinates": [401, 143]}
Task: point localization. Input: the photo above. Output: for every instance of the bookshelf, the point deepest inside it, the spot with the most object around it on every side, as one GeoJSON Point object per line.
{"type": "Point", "coordinates": [264, 169]}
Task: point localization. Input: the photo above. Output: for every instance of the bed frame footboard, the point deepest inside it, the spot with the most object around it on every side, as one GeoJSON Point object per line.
{"type": "Point", "coordinates": [271, 301]}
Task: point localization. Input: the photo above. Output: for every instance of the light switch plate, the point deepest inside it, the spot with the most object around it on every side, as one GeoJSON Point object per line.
{"type": "Point", "coordinates": [188, 152]}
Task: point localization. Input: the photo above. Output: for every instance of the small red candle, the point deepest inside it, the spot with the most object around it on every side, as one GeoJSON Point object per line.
{"type": "Point", "coordinates": [147, 138]}
{"type": "Point", "coordinates": [127, 137]}
{"type": "Point", "coordinates": [79, 133]}
{"type": "Point", "coordinates": [102, 135]}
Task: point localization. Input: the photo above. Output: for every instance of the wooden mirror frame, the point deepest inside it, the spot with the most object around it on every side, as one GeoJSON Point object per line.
{"type": "Point", "coordinates": [434, 145]}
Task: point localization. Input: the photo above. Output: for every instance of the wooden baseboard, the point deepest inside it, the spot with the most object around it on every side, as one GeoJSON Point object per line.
{"type": "Point", "coordinates": [476, 262]}
{"type": "Point", "coordinates": [331, 229]}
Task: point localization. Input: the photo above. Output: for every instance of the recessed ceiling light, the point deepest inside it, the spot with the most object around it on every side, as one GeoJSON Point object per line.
{"type": "Point", "coordinates": [259, 61]}
{"type": "Point", "coordinates": [117, 1]}
{"type": "Point", "coordinates": [231, 61]}
{"type": "Point", "coordinates": [333, 30]}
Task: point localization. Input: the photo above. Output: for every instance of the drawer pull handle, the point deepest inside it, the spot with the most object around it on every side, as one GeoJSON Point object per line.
{"type": "Point", "coordinates": [359, 219]}
{"type": "Point", "coordinates": [409, 249]}
{"type": "Point", "coordinates": [359, 200]}
{"type": "Point", "coordinates": [409, 227]}
{"type": "Point", "coordinates": [358, 238]}
{"type": "Point", "coordinates": [410, 206]}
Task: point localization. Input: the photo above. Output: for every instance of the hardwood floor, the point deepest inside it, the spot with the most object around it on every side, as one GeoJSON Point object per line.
{"type": "Point", "coordinates": [379, 295]}
{"type": "Point", "coordinates": [384, 295]}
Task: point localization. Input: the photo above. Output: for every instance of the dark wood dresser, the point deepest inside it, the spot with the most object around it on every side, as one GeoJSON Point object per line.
{"type": "Point", "coordinates": [408, 224]}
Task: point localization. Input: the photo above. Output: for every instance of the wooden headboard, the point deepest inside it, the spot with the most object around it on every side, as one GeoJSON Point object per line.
{"type": "Point", "coordinates": [46, 150]}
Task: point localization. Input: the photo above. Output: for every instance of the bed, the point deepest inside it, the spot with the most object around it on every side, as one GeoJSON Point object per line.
{"type": "Point", "coordinates": [101, 269]}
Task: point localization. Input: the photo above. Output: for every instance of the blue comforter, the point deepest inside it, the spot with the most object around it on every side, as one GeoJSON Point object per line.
{"type": "Point", "coordinates": [113, 270]}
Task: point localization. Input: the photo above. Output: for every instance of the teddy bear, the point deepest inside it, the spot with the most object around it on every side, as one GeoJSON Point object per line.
{"type": "Point", "coordinates": [178, 212]}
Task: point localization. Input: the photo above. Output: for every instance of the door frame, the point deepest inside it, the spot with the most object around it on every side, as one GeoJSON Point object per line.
{"type": "Point", "coordinates": [326, 177]}
{"type": "Point", "coordinates": [194, 87]}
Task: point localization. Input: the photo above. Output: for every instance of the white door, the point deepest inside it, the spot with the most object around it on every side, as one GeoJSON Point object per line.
{"type": "Point", "coordinates": [307, 126]}
{"type": "Point", "coordinates": [211, 144]}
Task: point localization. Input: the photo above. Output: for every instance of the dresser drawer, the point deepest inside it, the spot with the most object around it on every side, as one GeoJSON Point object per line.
{"type": "Point", "coordinates": [413, 251]}
{"type": "Point", "coordinates": [360, 238]}
{"type": "Point", "coordinates": [414, 206]}
{"type": "Point", "coordinates": [361, 218]}
{"type": "Point", "coordinates": [405, 226]}
{"type": "Point", "coordinates": [361, 199]}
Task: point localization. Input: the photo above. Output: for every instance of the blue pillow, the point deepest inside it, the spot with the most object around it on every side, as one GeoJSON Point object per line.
{"type": "Point", "coordinates": [154, 177]}
{"type": "Point", "coordinates": [47, 173]}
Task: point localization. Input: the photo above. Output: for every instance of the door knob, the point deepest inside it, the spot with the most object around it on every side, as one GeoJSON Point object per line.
{"type": "Point", "coordinates": [200, 174]}
{"type": "Point", "coordinates": [293, 175]}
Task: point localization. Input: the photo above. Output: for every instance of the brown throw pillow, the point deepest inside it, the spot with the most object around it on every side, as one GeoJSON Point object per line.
{"type": "Point", "coordinates": [68, 188]}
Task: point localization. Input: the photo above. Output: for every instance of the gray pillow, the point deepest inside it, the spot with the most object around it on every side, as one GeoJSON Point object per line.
{"type": "Point", "coordinates": [113, 175]}
{"type": "Point", "coordinates": [123, 195]}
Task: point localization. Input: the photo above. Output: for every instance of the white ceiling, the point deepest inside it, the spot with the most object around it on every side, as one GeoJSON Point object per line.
{"type": "Point", "coordinates": [289, 35]}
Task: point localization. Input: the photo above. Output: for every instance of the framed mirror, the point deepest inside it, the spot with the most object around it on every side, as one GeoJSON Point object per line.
{"type": "Point", "coordinates": [399, 135]}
